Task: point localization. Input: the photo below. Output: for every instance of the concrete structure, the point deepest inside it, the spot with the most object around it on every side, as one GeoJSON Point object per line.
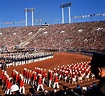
{"type": "Point", "coordinates": [26, 10]}
{"type": "Point", "coordinates": [63, 6]}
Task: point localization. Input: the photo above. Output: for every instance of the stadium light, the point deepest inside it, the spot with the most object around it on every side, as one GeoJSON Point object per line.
{"type": "Point", "coordinates": [63, 6]}
{"type": "Point", "coordinates": [26, 10]}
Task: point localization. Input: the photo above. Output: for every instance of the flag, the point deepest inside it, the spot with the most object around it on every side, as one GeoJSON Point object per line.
{"type": "Point", "coordinates": [83, 16]}
{"type": "Point", "coordinates": [103, 14]}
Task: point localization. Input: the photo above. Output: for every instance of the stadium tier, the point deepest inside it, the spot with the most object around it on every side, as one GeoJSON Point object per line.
{"type": "Point", "coordinates": [87, 36]}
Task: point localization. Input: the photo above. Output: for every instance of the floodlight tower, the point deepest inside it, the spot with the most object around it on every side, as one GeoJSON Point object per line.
{"type": "Point", "coordinates": [63, 6]}
{"type": "Point", "coordinates": [26, 10]}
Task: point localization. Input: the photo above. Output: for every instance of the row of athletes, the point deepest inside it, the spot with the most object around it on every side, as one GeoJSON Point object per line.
{"type": "Point", "coordinates": [24, 57]}
{"type": "Point", "coordinates": [39, 76]}
{"type": "Point", "coordinates": [74, 73]}
{"type": "Point", "coordinates": [6, 82]}
{"type": "Point", "coordinates": [19, 79]}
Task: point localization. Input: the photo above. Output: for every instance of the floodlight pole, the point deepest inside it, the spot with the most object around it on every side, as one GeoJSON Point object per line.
{"type": "Point", "coordinates": [32, 17]}
{"type": "Point", "coordinates": [69, 14]}
{"type": "Point", "coordinates": [62, 15]}
{"type": "Point", "coordinates": [63, 6]}
{"type": "Point", "coordinates": [26, 16]}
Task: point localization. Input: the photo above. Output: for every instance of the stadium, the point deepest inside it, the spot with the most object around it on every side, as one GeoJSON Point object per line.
{"type": "Point", "coordinates": [52, 59]}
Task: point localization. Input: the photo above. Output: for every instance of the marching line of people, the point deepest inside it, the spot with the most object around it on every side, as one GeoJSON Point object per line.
{"type": "Point", "coordinates": [35, 78]}
{"type": "Point", "coordinates": [74, 73]}
{"type": "Point", "coordinates": [7, 82]}
{"type": "Point", "coordinates": [39, 76]}
{"type": "Point", "coordinates": [21, 59]}
{"type": "Point", "coordinates": [19, 80]}
{"type": "Point", "coordinates": [71, 73]}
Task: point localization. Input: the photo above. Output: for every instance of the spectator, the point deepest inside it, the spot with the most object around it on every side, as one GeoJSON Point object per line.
{"type": "Point", "coordinates": [78, 90]}
{"type": "Point", "coordinates": [31, 92]}
{"type": "Point", "coordinates": [99, 74]}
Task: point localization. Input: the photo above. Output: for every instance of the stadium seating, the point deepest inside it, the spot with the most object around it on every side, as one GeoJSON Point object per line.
{"type": "Point", "coordinates": [87, 36]}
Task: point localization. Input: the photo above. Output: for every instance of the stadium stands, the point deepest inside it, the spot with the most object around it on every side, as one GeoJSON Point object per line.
{"type": "Point", "coordinates": [87, 36]}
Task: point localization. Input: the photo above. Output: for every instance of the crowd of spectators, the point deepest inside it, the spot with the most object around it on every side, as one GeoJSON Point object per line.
{"type": "Point", "coordinates": [15, 35]}
{"type": "Point", "coordinates": [87, 36]}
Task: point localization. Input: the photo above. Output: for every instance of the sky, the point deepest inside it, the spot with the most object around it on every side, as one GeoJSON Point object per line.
{"type": "Point", "coordinates": [47, 10]}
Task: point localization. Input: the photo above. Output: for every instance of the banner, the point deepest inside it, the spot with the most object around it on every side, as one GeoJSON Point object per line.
{"type": "Point", "coordinates": [89, 15]}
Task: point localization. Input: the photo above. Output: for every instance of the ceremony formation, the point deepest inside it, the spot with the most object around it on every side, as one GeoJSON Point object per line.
{"type": "Point", "coordinates": [52, 48]}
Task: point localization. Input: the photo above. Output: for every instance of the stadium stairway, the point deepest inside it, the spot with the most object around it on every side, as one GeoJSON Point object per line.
{"type": "Point", "coordinates": [29, 39]}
